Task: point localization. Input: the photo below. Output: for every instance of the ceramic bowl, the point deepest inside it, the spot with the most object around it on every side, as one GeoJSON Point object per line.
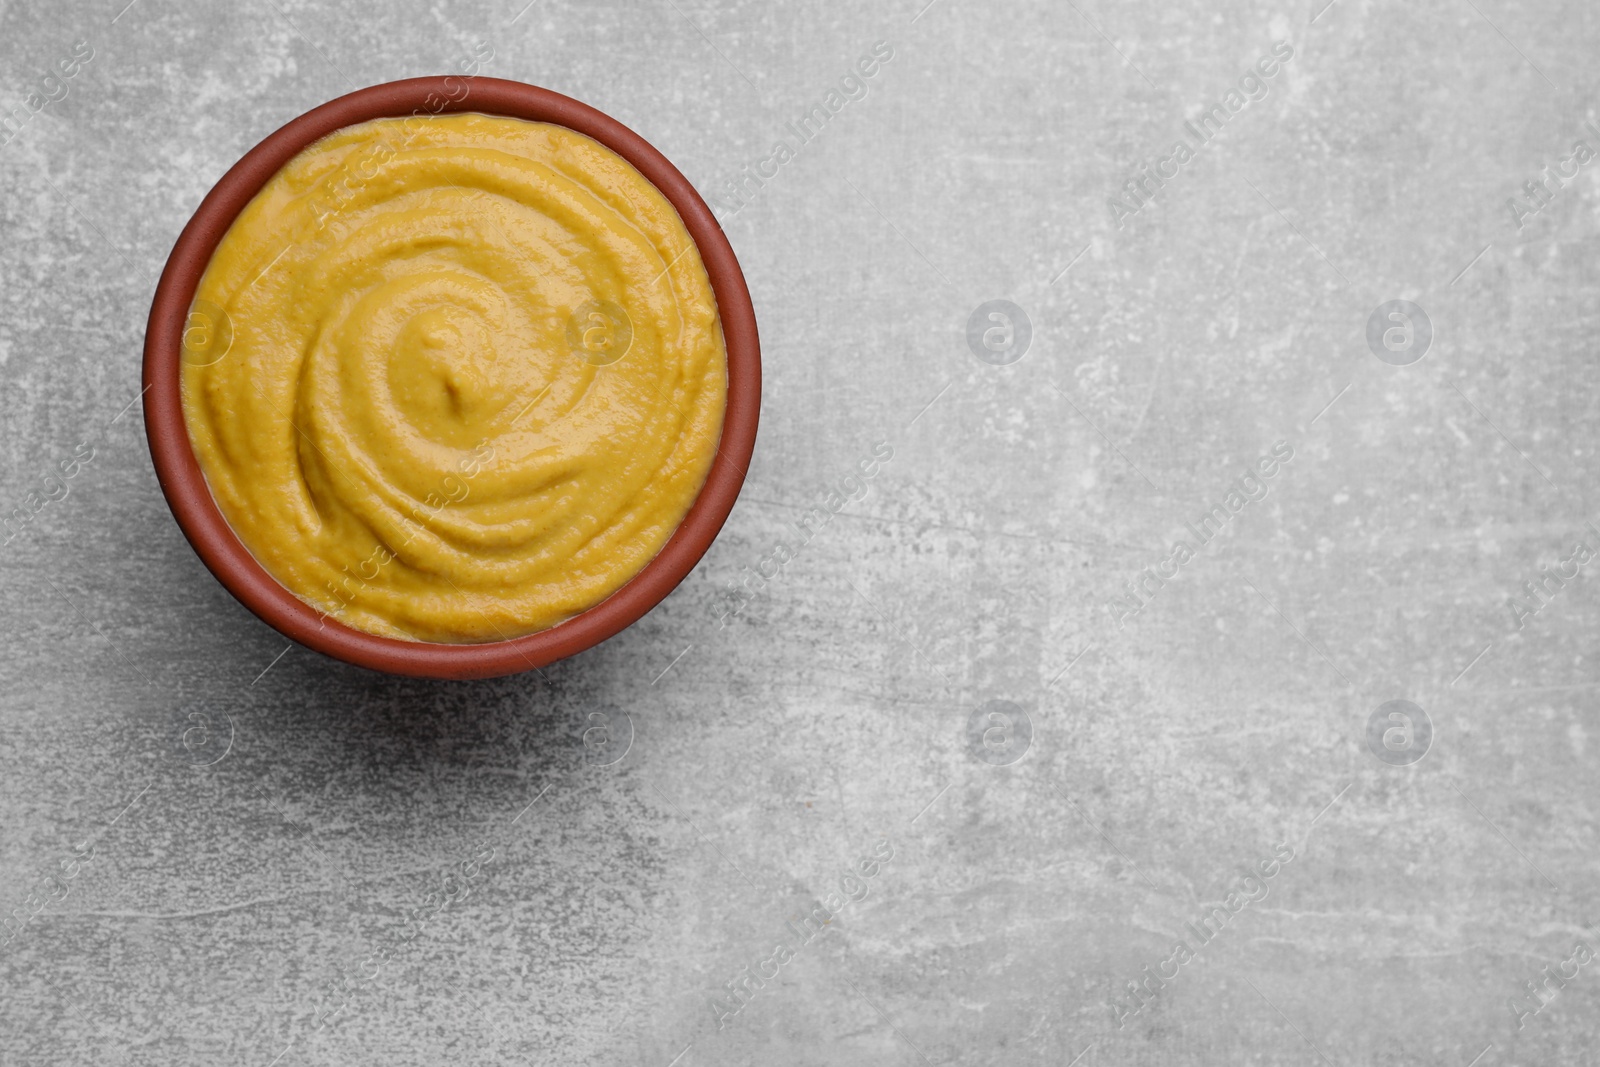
{"type": "Point", "coordinates": [234, 566]}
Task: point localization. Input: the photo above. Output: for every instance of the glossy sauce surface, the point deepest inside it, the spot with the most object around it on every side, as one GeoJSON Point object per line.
{"type": "Point", "coordinates": [455, 378]}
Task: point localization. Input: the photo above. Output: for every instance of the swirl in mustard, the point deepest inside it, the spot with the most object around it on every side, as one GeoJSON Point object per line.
{"type": "Point", "coordinates": [455, 378]}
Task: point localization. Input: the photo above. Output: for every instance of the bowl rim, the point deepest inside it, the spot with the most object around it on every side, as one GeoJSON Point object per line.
{"type": "Point", "coordinates": [219, 547]}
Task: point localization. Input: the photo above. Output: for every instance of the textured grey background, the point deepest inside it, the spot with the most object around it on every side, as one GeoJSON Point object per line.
{"type": "Point", "coordinates": [214, 909]}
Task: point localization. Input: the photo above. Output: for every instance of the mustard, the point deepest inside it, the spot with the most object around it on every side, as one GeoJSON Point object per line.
{"type": "Point", "coordinates": [455, 378]}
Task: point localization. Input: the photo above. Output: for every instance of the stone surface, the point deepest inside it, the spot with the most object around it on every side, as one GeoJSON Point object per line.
{"type": "Point", "coordinates": [242, 827]}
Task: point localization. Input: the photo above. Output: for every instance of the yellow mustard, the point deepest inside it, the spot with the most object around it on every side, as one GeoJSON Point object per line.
{"type": "Point", "coordinates": [455, 378]}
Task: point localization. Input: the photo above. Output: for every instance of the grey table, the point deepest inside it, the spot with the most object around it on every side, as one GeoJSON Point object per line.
{"type": "Point", "coordinates": [1071, 736]}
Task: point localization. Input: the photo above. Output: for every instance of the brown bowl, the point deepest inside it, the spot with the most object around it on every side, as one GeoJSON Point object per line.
{"type": "Point", "coordinates": [221, 550]}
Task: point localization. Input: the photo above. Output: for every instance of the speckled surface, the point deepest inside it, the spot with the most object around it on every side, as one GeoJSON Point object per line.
{"type": "Point", "coordinates": [268, 857]}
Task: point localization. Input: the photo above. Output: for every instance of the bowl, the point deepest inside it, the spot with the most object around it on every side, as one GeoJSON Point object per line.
{"type": "Point", "coordinates": [226, 556]}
